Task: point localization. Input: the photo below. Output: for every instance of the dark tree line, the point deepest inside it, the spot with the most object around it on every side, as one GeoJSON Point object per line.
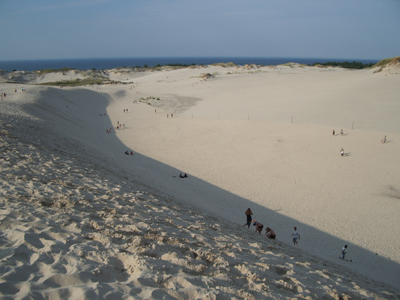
{"type": "Point", "coordinates": [345, 64]}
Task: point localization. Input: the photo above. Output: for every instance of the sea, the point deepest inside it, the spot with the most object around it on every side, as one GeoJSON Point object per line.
{"type": "Point", "coordinates": [111, 63]}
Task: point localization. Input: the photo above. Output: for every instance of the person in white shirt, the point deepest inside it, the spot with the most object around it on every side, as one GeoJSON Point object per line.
{"type": "Point", "coordinates": [296, 236]}
{"type": "Point", "coordinates": [344, 251]}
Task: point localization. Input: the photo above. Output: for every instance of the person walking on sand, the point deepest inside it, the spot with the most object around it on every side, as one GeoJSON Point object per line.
{"type": "Point", "coordinates": [333, 131]}
{"type": "Point", "coordinates": [341, 131]}
{"type": "Point", "coordinates": [296, 236]}
{"type": "Point", "coordinates": [344, 251]}
{"type": "Point", "coordinates": [384, 140]}
{"type": "Point", "coordinates": [259, 226]}
{"type": "Point", "coordinates": [248, 213]}
{"type": "Point", "coordinates": [342, 152]}
{"type": "Point", "coordinates": [269, 233]}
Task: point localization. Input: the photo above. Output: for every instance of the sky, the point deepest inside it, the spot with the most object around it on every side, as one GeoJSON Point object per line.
{"type": "Point", "coordinates": [60, 29]}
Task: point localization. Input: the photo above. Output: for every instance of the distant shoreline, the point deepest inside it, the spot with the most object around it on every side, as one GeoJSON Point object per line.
{"type": "Point", "coordinates": [111, 63]}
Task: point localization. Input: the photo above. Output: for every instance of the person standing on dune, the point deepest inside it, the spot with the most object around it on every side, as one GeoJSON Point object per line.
{"type": "Point", "coordinates": [248, 213]}
{"type": "Point", "coordinates": [344, 251]}
{"type": "Point", "coordinates": [296, 236]}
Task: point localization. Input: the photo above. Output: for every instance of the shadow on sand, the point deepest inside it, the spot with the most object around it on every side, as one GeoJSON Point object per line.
{"type": "Point", "coordinates": [73, 131]}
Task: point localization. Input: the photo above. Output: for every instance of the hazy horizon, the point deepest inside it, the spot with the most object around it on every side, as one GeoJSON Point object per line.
{"type": "Point", "coordinates": [44, 29]}
{"type": "Point", "coordinates": [199, 57]}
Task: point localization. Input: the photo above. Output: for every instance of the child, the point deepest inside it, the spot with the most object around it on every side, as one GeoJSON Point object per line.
{"type": "Point", "coordinates": [259, 226]}
{"type": "Point", "coordinates": [344, 251]}
{"type": "Point", "coordinates": [270, 233]}
{"type": "Point", "coordinates": [296, 236]}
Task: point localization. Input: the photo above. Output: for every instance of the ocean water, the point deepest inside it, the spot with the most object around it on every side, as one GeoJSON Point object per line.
{"type": "Point", "coordinates": [110, 63]}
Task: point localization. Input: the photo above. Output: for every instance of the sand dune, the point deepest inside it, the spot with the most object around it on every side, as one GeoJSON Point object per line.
{"type": "Point", "coordinates": [80, 219]}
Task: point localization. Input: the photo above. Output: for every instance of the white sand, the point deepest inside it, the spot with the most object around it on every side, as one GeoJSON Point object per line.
{"type": "Point", "coordinates": [80, 218]}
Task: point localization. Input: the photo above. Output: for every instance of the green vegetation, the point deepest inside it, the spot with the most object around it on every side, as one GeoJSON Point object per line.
{"type": "Point", "coordinates": [345, 64]}
{"type": "Point", "coordinates": [225, 65]}
{"type": "Point", "coordinates": [147, 100]}
{"type": "Point", "coordinates": [76, 82]}
{"type": "Point", "coordinates": [179, 65]}
{"type": "Point", "coordinates": [206, 76]}
{"type": "Point", "coordinates": [293, 65]}
{"type": "Point", "coordinates": [386, 61]}
{"type": "Point", "coordinates": [46, 71]}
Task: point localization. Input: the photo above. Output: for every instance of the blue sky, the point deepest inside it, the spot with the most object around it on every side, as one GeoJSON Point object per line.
{"type": "Point", "coordinates": [56, 29]}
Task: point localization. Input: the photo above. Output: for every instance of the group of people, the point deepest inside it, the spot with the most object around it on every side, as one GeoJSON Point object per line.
{"type": "Point", "coordinates": [341, 133]}
{"type": "Point", "coordinates": [383, 141]}
{"type": "Point", "coordinates": [269, 232]}
{"type": "Point", "coordinates": [120, 126]}
{"type": "Point", "coordinates": [4, 95]}
{"type": "Point", "coordinates": [333, 131]}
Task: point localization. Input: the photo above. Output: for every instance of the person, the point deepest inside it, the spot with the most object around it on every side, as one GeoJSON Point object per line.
{"type": "Point", "coordinates": [333, 132]}
{"type": "Point", "coordinates": [342, 152]}
{"type": "Point", "coordinates": [182, 175]}
{"type": "Point", "coordinates": [259, 226]}
{"type": "Point", "coordinates": [344, 251]}
{"type": "Point", "coordinates": [296, 236]}
{"type": "Point", "coordinates": [131, 152]}
{"type": "Point", "coordinates": [269, 233]}
{"type": "Point", "coordinates": [127, 152]}
{"type": "Point", "coordinates": [248, 213]}
{"type": "Point", "coordinates": [384, 140]}
{"type": "Point", "coordinates": [341, 131]}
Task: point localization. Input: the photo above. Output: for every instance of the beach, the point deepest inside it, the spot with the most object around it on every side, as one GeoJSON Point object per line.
{"type": "Point", "coordinates": [80, 219]}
